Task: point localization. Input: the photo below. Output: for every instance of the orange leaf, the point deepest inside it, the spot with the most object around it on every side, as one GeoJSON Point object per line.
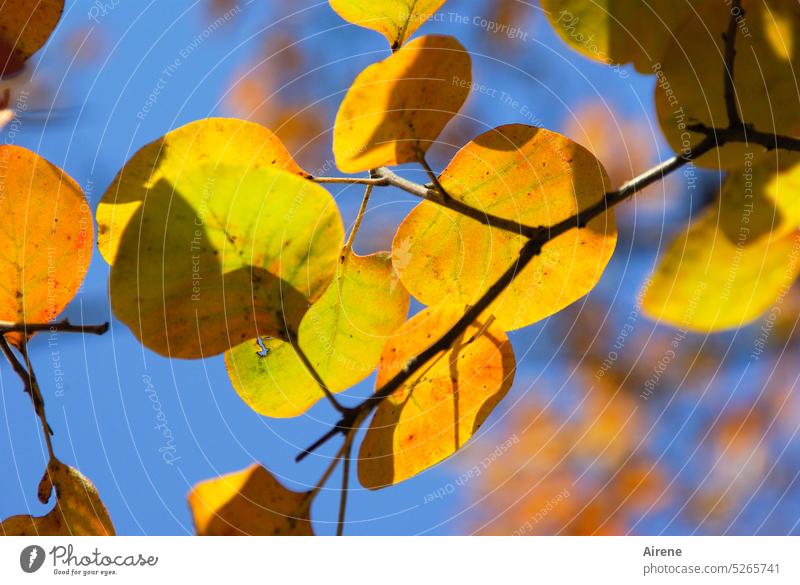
{"type": "Point", "coordinates": [439, 408]}
{"type": "Point", "coordinates": [395, 109]}
{"type": "Point", "coordinates": [46, 238]}
{"type": "Point", "coordinates": [25, 25]}
{"type": "Point", "coordinates": [249, 502]}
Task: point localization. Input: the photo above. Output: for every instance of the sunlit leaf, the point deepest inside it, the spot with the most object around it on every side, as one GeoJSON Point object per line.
{"type": "Point", "coordinates": [342, 335]}
{"type": "Point", "coordinates": [704, 282]}
{"type": "Point", "coordinates": [395, 109]}
{"type": "Point", "coordinates": [526, 174]}
{"type": "Point", "coordinates": [760, 200]}
{"type": "Point", "coordinates": [46, 238]}
{"type": "Point", "coordinates": [443, 404]}
{"type": "Point", "coordinates": [395, 19]}
{"type": "Point", "coordinates": [78, 510]}
{"type": "Point", "coordinates": [25, 26]}
{"type": "Point", "coordinates": [691, 86]}
{"type": "Point", "coordinates": [618, 31]}
{"type": "Point", "coordinates": [249, 502]}
{"type": "Point", "coordinates": [214, 243]}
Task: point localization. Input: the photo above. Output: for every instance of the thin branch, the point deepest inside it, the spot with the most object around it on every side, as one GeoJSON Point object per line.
{"type": "Point", "coordinates": [348, 245]}
{"type": "Point", "coordinates": [349, 180]}
{"type": "Point", "coordinates": [63, 326]}
{"type": "Point", "coordinates": [729, 36]}
{"type": "Point", "coordinates": [314, 374]}
{"type": "Point", "coordinates": [31, 388]}
{"type": "Point", "coordinates": [348, 447]}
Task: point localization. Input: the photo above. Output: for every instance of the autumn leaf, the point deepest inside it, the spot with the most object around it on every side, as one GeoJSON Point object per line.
{"type": "Point", "coordinates": [443, 404]}
{"type": "Point", "coordinates": [615, 32]}
{"type": "Point", "coordinates": [760, 200]}
{"type": "Point", "coordinates": [46, 238]}
{"type": "Point", "coordinates": [526, 174]}
{"type": "Point", "coordinates": [397, 20]}
{"type": "Point", "coordinates": [250, 502]}
{"type": "Point", "coordinates": [704, 282]}
{"type": "Point", "coordinates": [25, 27]}
{"type": "Point", "coordinates": [397, 108]}
{"type": "Point", "coordinates": [341, 335]}
{"type": "Point", "coordinates": [690, 88]}
{"type": "Point", "coordinates": [219, 239]}
{"type": "Point", "coordinates": [78, 510]}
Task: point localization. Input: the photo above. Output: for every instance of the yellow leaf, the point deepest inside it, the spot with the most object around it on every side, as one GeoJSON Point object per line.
{"type": "Point", "coordinates": [397, 20]}
{"type": "Point", "coordinates": [706, 283]}
{"type": "Point", "coordinates": [690, 87]}
{"type": "Point", "coordinates": [395, 109]}
{"type": "Point", "coordinates": [78, 510]}
{"type": "Point", "coordinates": [618, 32]}
{"type": "Point", "coordinates": [46, 238]}
{"type": "Point", "coordinates": [215, 242]}
{"type": "Point", "coordinates": [522, 173]}
{"type": "Point", "coordinates": [250, 502]}
{"type": "Point", "coordinates": [760, 200]}
{"type": "Point", "coordinates": [342, 335]}
{"type": "Point", "coordinates": [25, 26]}
{"type": "Point", "coordinates": [439, 408]}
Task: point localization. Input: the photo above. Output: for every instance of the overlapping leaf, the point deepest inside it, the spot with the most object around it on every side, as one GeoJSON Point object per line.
{"type": "Point", "coordinates": [760, 200]}
{"type": "Point", "coordinates": [25, 26]}
{"type": "Point", "coordinates": [443, 404]}
{"type": "Point", "coordinates": [78, 510]}
{"type": "Point", "coordinates": [46, 237]}
{"type": "Point", "coordinates": [342, 335]}
{"type": "Point", "coordinates": [534, 177]}
{"type": "Point", "coordinates": [395, 109]}
{"type": "Point", "coordinates": [250, 502]}
{"type": "Point", "coordinates": [215, 238]}
{"type": "Point", "coordinates": [691, 88]}
{"type": "Point", "coordinates": [618, 31]}
{"type": "Point", "coordinates": [705, 282]}
{"type": "Point", "coordinates": [395, 19]}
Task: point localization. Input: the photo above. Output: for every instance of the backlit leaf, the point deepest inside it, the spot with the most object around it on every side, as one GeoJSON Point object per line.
{"type": "Point", "coordinates": [526, 174]}
{"type": "Point", "coordinates": [435, 412]}
{"type": "Point", "coordinates": [395, 19]}
{"type": "Point", "coordinates": [25, 26]}
{"type": "Point", "coordinates": [250, 502]}
{"type": "Point", "coordinates": [395, 109]}
{"type": "Point", "coordinates": [342, 335]}
{"type": "Point", "coordinates": [704, 282]}
{"type": "Point", "coordinates": [618, 31]}
{"type": "Point", "coordinates": [46, 238]}
{"type": "Point", "coordinates": [215, 242]}
{"type": "Point", "coordinates": [78, 510]}
{"type": "Point", "coordinates": [760, 200]}
{"type": "Point", "coordinates": [690, 88]}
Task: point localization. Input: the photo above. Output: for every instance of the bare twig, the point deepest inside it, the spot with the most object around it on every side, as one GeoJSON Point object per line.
{"type": "Point", "coordinates": [729, 36]}
{"type": "Point", "coordinates": [63, 326]}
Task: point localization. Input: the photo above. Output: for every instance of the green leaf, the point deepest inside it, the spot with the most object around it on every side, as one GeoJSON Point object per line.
{"type": "Point", "coordinates": [342, 335]}
{"type": "Point", "coordinates": [215, 241]}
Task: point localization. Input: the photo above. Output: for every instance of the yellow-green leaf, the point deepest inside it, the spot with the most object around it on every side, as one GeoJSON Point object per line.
{"type": "Point", "coordinates": [618, 32]}
{"type": "Point", "coordinates": [760, 200]}
{"type": "Point", "coordinates": [342, 335]}
{"type": "Point", "coordinates": [439, 408]}
{"type": "Point", "coordinates": [46, 238]}
{"type": "Point", "coordinates": [522, 173]}
{"type": "Point", "coordinates": [704, 282]}
{"type": "Point", "coordinates": [690, 87]}
{"type": "Point", "coordinates": [25, 25]}
{"type": "Point", "coordinates": [215, 242]}
{"type": "Point", "coordinates": [395, 109]}
{"type": "Point", "coordinates": [250, 502]}
{"type": "Point", "coordinates": [78, 510]}
{"type": "Point", "coordinates": [395, 19]}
